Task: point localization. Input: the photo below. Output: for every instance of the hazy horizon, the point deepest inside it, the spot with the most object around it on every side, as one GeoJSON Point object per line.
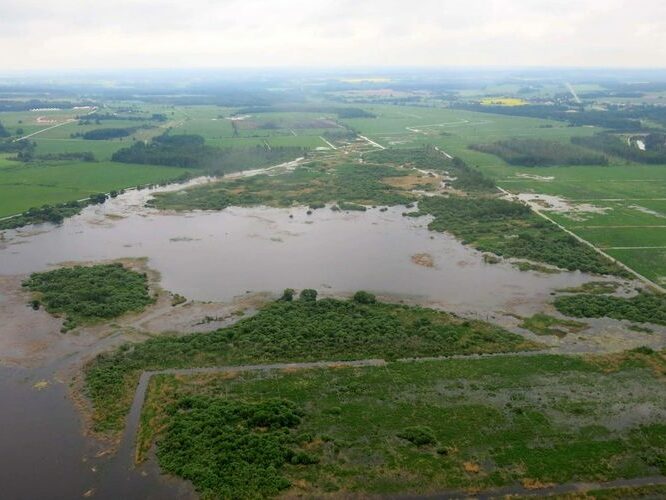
{"type": "Point", "coordinates": [145, 34]}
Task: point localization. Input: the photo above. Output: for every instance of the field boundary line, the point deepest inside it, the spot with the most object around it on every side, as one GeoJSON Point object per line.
{"type": "Point", "coordinates": [371, 142]}
{"type": "Point", "coordinates": [634, 248]}
{"type": "Point", "coordinates": [331, 145]}
{"type": "Point", "coordinates": [639, 226]}
{"type": "Point", "coordinates": [69, 120]}
{"type": "Point", "coordinates": [647, 281]}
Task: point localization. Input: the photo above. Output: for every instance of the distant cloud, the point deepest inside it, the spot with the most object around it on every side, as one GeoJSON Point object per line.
{"type": "Point", "coordinates": [50, 34]}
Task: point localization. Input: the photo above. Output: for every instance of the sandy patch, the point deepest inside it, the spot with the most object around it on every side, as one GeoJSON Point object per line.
{"type": "Point", "coordinates": [412, 181]}
{"type": "Point", "coordinates": [648, 211]}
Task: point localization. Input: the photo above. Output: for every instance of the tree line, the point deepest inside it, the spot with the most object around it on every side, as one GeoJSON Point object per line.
{"type": "Point", "coordinates": [540, 152]}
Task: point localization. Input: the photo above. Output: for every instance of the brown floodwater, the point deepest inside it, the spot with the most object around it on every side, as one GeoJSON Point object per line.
{"type": "Point", "coordinates": [219, 255]}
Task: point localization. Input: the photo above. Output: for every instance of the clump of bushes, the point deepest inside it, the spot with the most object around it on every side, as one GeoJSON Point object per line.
{"type": "Point", "coordinates": [643, 308]}
{"type": "Point", "coordinates": [85, 294]}
{"type": "Point", "coordinates": [231, 449]}
{"type": "Point", "coordinates": [362, 297]}
{"type": "Point", "coordinates": [419, 435]}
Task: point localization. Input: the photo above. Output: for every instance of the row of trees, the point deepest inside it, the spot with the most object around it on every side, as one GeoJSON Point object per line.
{"type": "Point", "coordinates": [616, 118]}
{"type": "Point", "coordinates": [540, 152]}
{"type": "Point", "coordinates": [190, 151]}
{"type": "Point", "coordinates": [654, 153]}
{"type": "Point", "coordinates": [102, 134]}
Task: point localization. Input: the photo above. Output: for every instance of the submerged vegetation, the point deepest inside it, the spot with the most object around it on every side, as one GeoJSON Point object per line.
{"type": "Point", "coordinates": [88, 294]}
{"type": "Point", "coordinates": [428, 157]}
{"type": "Point", "coordinates": [54, 214]}
{"type": "Point", "coordinates": [311, 184]}
{"type": "Point", "coordinates": [543, 324]}
{"type": "Point", "coordinates": [297, 330]}
{"type": "Point", "coordinates": [510, 229]}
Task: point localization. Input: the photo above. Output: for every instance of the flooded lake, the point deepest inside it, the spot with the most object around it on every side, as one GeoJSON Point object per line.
{"type": "Point", "coordinates": [217, 257]}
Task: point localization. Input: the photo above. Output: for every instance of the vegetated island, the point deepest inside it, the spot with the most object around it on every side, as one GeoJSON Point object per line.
{"type": "Point", "coordinates": [89, 294]}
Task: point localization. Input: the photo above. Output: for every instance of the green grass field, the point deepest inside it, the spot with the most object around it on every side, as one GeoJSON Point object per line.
{"type": "Point", "coordinates": [103, 150]}
{"type": "Point", "coordinates": [23, 186]}
{"type": "Point", "coordinates": [629, 204]}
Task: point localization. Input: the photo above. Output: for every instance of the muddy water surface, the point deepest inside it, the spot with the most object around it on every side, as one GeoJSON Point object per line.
{"type": "Point", "coordinates": [217, 256]}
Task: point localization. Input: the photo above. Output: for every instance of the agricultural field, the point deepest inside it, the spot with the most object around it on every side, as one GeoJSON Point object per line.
{"type": "Point", "coordinates": [620, 208]}
{"type": "Point", "coordinates": [419, 427]}
{"type": "Point", "coordinates": [23, 186]}
{"type": "Point", "coordinates": [225, 129]}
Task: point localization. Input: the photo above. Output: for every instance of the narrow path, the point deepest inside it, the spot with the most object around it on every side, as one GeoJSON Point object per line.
{"type": "Point", "coordinates": [371, 142]}
{"type": "Point", "coordinates": [639, 226]}
{"type": "Point", "coordinates": [70, 120]}
{"type": "Point", "coordinates": [573, 92]}
{"type": "Point", "coordinates": [558, 489]}
{"type": "Point", "coordinates": [536, 210]}
{"type": "Point", "coordinates": [634, 248]}
{"type": "Point", "coordinates": [126, 448]}
{"type": "Point", "coordinates": [127, 444]}
{"type": "Point", "coordinates": [330, 145]}
{"type": "Point", "coordinates": [444, 153]}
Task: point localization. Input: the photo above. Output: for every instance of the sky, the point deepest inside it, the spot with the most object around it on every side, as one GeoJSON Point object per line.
{"type": "Point", "coordinates": [103, 34]}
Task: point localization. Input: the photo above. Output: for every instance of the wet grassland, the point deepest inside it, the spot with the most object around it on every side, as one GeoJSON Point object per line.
{"type": "Point", "coordinates": [420, 427]}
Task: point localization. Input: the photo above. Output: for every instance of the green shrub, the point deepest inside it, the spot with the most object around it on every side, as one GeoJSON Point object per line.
{"type": "Point", "coordinates": [419, 435]}
{"type": "Point", "coordinates": [308, 295]}
{"type": "Point", "coordinates": [231, 449]}
{"type": "Point", "coordinates": [363, 297]}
